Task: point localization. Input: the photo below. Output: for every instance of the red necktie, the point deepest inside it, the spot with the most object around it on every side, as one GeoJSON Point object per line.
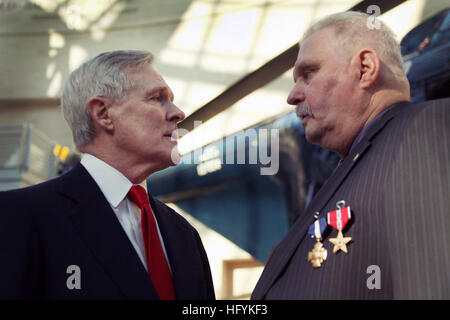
{"type": "Point", "coordinates": [156, 260]}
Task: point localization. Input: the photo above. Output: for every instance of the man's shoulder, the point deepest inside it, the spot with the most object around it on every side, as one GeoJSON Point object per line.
{"type": "Point", "coordinates": [44, 194]}
{"type": "Point", "coordinates": [435, 108]}
{"type": "Point", "coordinates": [430, 108]}
{"type": "Point", "coordinates": [24, 203]}
{"type": "Point", "coordinates": [438, 103]}
{"type": "Point", "coordinates": [428, 114]}
{"type": "Point", "coordinates": [29, 191]}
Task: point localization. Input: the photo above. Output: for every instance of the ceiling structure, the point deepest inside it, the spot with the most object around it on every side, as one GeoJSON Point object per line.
{"type": "Point", "coordinates": [228, 62]}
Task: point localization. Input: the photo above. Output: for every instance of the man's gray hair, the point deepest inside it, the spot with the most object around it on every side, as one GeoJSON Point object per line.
{"type": "Point", "coordinates": [357, 27]}
{"type": "Point", "coordinates": [101, 76]}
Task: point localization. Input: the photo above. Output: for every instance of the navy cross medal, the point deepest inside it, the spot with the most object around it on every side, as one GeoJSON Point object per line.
{"type": "Point", "coordinates": [318, 254]}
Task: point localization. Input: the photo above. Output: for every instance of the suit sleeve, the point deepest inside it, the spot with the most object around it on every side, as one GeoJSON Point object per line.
{"type": "Point", "coordinates": [418, 219]}
{"type": "Point", "coordinates": [19, 272]}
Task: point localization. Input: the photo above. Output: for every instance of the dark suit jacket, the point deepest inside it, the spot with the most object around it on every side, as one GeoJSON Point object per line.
{"type": "Point", "coordinates": [396, 181]}
{"type": "Point", "coordinates": [67, 221]}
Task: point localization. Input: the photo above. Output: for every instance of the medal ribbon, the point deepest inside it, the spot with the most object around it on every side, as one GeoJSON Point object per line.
{"type": "Point", "coordinates": [318, 228]}
{"type": "Point", "coordinates": [338, 219]}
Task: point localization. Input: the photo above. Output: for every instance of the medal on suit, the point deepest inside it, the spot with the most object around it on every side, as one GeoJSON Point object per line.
{"type": "Point", "coordinates": [318, 254]}
{"type": "Point", "coordinates": [338, 220]}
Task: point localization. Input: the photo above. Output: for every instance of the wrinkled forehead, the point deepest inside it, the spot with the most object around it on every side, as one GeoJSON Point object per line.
{"type": "Point", "coordinates": [145, 73]}
{"type": "Point", "coordinates": [318, 41]}
{"type": "Point", "coordinates": [147, 79]}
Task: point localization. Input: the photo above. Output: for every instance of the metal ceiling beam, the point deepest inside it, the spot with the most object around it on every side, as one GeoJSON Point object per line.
{"type": "Point", "coordinates": [265, 74]}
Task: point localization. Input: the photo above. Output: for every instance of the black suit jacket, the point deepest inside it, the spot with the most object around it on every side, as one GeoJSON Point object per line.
{"type": "Point", "coordinates": [396, 181]}
{"type": "Point", "coordinates": [67, 221]}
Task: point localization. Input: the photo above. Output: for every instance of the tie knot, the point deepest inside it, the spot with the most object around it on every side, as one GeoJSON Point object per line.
{"type": "Point", "coordinates": [138, 195]}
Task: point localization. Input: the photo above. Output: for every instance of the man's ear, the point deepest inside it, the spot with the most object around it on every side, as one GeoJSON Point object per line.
{"type": "Point", "coordinates": [369, 64]}
{"type": "Point", "coordinates": [98, 108]}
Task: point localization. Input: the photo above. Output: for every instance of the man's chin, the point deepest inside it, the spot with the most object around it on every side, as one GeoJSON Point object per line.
{"type": "Point", "coordinates": [175, 156]}
{"type": "Point", "coordinates": [311, 137]}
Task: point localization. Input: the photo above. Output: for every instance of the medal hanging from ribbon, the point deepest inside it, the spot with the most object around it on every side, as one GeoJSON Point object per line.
{"type": "Point", "coordinates": [318, 254]}
{"type": "Point", "coordinates": [338, 220]}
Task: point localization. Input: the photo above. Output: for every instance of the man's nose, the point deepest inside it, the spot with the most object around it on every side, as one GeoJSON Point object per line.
{"type": "Point", "coordinates": [296, 95]}
{"type": "Point", "coordinates": [175, 114]}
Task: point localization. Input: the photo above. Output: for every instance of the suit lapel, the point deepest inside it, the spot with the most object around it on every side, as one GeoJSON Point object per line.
{"type": "Point", "coordinates": [297, 233]}
{"type": "Point", "coordinates": [102, 233]}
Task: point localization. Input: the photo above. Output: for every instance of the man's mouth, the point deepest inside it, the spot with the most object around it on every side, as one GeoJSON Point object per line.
{"type": "Point", "coordinates": [173, 135]}
{"type": "Point", "coordinates": [303, 116]}
{"type": "Point", "coordinates": [303, 111]}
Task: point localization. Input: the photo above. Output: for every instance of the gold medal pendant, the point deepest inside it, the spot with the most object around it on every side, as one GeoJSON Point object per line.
{"type": "Point", "coordinates": [340, 242]}
{"type": "Point", "coordinates": [318, 254]}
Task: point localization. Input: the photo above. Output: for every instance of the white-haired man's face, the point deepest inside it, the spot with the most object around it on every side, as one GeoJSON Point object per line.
{"type": "Point", "coordinates": [145, 121]}
{"type": "Point", "coordinates": [325, 92]}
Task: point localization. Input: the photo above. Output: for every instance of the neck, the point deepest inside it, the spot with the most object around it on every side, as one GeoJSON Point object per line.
{"type": "Point", "coordinates": [125, 163]}
{"type": "Point", "coordinates": [382, 101]}
{"type": "Point", "coordinates": [377, 103]}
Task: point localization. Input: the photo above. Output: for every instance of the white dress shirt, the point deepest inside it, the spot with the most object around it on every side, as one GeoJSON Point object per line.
{"type": "Point", "coordinates": [115, 186]}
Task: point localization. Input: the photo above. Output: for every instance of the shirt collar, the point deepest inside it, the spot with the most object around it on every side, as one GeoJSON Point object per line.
{"type": "Point", "coordinates": [113, 184]}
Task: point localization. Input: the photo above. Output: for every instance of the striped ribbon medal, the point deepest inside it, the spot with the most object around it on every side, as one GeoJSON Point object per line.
{"type": "Point", "coordinates": [318, 254]}
{"type": "Point", "coordinates": [338, 220]}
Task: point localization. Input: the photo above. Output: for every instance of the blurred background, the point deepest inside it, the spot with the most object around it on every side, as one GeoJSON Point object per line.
{"type": "Point", "coordinates": [229, 64]}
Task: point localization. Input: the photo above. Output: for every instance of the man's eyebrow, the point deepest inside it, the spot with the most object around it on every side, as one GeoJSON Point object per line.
{"type": "Point", "coordinates": [306, 64]}
{"type": "Point", "coordinates": [160, 89]}
{"type": "Point", "coordinates": [299, 68]}
{"type": "Point", "coordinates": [154, 90]}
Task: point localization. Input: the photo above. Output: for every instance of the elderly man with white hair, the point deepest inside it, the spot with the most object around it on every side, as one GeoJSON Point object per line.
{"type": "Point", "coordinates": [379, 227]}
{"type": "Point", "coordinates": [95, 232]}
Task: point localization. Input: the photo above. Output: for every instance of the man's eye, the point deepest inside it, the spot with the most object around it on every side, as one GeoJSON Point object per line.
{"type": "Point", "coordinates": [308, 73]}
